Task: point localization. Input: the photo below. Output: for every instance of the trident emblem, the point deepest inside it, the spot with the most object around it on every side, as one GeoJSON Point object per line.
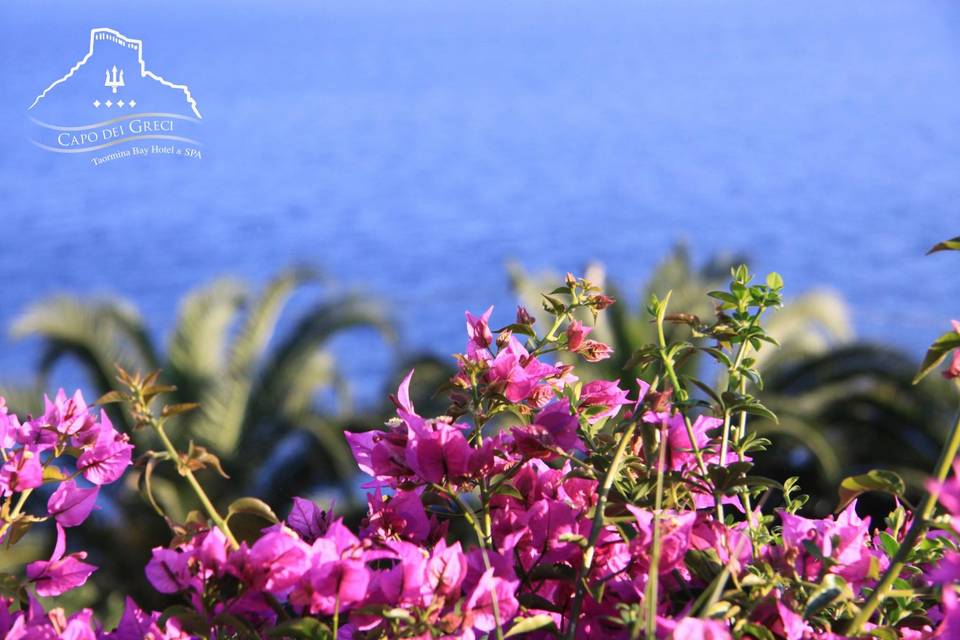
{"type": "Point", "coordinates": [113, 82]}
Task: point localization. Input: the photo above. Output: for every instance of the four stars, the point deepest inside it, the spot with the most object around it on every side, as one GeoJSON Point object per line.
{"type": "Point", "coordinates": [119, 103]}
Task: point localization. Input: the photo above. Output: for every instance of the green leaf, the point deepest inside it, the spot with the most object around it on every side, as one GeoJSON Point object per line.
{"type": "Point", "coordinates": [176, 409]}
{"type": "Point", "coordinates": [883, 633]}
{"type": "Point", "coordinates": [552, 572]}
{"type": "Point", "coordinates": [936, 353]}
{"type": "Point", "coordinates": [953, 244]}
{"type": "Point", "coordinates": [533, 601]}
{"type": "Point", "coordinates": [253, 507]}
{"type": "Point", "coordinates": [889, 544]}
{"type": "Point", "coordinates": [832, 589]}
{"type": "Point", "coordinates": [533, 623]}
{"type": "Point", "coordinates": [109, 397]}
{"type": "Point", "coordinates": [145, 485]}
{"type": "Point", "coordinates": [775, 280]}
{"type": "Point", "coordinates": [873, 480]}
{"type": "Point", "coordinates": [516, 327]}
{"type": "Point", "coordinates": [301, 629]}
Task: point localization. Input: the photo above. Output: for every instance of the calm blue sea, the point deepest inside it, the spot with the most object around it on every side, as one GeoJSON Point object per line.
{"type": "Point", "coordinates": [411, 149]}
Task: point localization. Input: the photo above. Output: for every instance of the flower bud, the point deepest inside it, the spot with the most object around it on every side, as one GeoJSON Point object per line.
{"type": "Point", "coordinates": [523, 316]}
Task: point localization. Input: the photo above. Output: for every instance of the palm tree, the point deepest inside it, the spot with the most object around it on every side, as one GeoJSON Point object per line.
{"type": "Point", "coordinates": [258, 394]}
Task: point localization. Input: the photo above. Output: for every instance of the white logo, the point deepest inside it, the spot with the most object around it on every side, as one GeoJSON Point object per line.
{"type": "Point", "coordinates": [109, 101]}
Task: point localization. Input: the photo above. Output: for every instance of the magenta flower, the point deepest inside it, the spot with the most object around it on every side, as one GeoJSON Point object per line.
{"type": "Point", "coordinates": [137, 624]}
{"type": "Point", "coordinates": [697, 629]}
{"type": "Point", "coordinates": [602, 399]}
{"type": "Point", "coordinates": [23, 470]}
{"type": "Point", "coordinates": [553, 428]}
{"type": "Point", "coordinates": [168, 570]}
{"type": "Point", "coordinates": [437, 450]}
{"type": "Point", "coordinates": [307, 519]}
{"type": "Point", "coordinates": [948, 492]}
{"type": "Point", "coordinates": [675, 538]}
{"type": "Point", "coordinates": [576, 333]}
{"type": "Point", "coordinates": [330, 585]}
{"type": "Point", "coordinates": [66, 416]}
{"type": "Point", "coordinates": [845, 540]}
{"type": "Point", "coordinates": [400, 517]}
{"type": "Point", "coordinates": [516, 372]}
{"type": "Point", "coordinates": [446, 569]}
{"type": "Point", "coordinates": [9, 427]}
{"type": "Point", "coordinates": [337, 577]}
{"type": "Point", "coordinates": [405, 583]}
{"type": "Point", "coordinates": [275, 562]}
{"type": "Point", "coordinates": [70, 505]}
{"type": "Point", "coordinates": [947, 571]}
{"type": "Point", "coordinates": [593, 351]}
{"type": "Point", "coordinates": [478, 608]}
{"type": "Point", "coordinates": [60, 573]}
{"type": "Point", "coordinates": [109, 456]}
{"type": "Point", "coordinates": [479, 335]}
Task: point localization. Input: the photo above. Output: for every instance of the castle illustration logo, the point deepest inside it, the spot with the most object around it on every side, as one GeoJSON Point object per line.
{"type": "Point", "coordinates": [109, 102]}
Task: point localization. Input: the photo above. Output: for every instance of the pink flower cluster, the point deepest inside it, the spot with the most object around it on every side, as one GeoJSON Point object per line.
{"type": "Point", "coordinates": [66, 443]}
{"type": "Point", "coordinates": [401, 568]}
{"type": "Point", "coordinates": [470, 532]}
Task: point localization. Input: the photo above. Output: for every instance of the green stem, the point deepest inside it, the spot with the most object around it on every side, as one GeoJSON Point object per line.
{"type": "Point", "coordinates": [336, 616]}
{"type": "Point", "coordinates": [584, 570]}
{"type": "Point", "coordinates": [194, 484]}
{"type": "Point", "coordinates": [650, 594]}
{"type": "Point", "coordinates": [917, 529]}
{"type": "Point", "coordinates": [675, 381]}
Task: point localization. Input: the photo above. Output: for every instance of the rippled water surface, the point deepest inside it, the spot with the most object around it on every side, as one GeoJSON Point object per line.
{"type": "Point", "coordinates": [413, 148]}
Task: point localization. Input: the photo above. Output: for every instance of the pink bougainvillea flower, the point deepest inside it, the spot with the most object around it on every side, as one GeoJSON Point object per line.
{"type": "Point", "coordinates": [331, 585]}
{"type": "Point", "coordinates": [337, 578]}
{"type": "Point", "coordinates": [10, 427]}
{"type": "Point", "coordinates": [22, 471]}
{"type": "Point", "coordinates": [274, 563]}
{"type": "Point", "coordinates": [948, 492]}
{"type": "Point", "coordinates": [593, 351]}
{"type": "Point", "coordinates": [517, 372]}
{"type": "Point", "coordinates": [576, 333]}
{"type": "Point", "coordinates": [437, 450]}
{"type": "Point", "coordinates": [400, 517]}
{"type": "Point", "coordinates": [947, 571]}
{"type": "Point", "coordinates": [675, 528]}
{"type": "Point", "coordinates": [698, 629]}
{"type": "Point", "coordinates": [479, 335]}
{"type": "Point", "coordinates": [554, 427]}
{"type": "Point", "coordinates": [60, 573]}
{"type": "Point", "coordinates": [70, 505]}
{"type": "Point", "coordinates": [168, 570]}
{"type": "Point", "coordinates": [137, 624]}
{"type": "Point", "coordinates": [307, 519]}
{"type": "Point", "coordinates": [845, 540]}
{"type": "Point", "coordinates": [950, 624]}
{"type": "Point", "coordinates": [602, 399]}
{"type": "Point", "coordinates": [109, 456]}
{"type": "Point", "coordinates": [446, 569]}
{"type": "Point", "coordinates": [478, 608]}
{"type": "Point", "coordinates": [67, 416]}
